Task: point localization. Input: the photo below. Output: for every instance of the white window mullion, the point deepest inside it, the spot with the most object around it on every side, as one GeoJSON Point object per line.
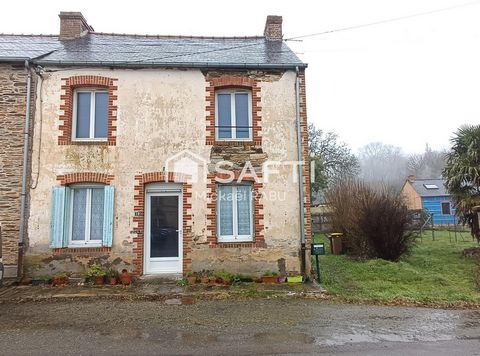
{"type": "Point", "coordinates": [88, 215]}
{"type": "Point", "coordinates": [232, 115]}
{"type": "Point", "coordinates": [92, 114]}
{"type": "Point", "coordinates": [234, 213]}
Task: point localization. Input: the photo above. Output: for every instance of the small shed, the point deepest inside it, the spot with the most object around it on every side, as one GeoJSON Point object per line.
{"type": "Point", "coordinates": [432, 196]}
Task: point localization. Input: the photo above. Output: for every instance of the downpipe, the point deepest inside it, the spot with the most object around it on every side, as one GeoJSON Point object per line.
{"type": "Point", "coordinates": [300, 177]}
{"type": "Point", "coordinates": [26, 143]}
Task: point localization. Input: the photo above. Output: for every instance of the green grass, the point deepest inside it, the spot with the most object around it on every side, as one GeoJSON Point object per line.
{"type": "Point", "coordinates": [434, 273]}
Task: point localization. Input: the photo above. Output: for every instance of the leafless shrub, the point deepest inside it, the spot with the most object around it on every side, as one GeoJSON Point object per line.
{"type": "Point", "coordinates": [375, 221]}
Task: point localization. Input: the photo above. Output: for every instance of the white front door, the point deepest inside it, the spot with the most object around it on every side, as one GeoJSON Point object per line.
{"type": "Point", "coordinates": [163, 228]}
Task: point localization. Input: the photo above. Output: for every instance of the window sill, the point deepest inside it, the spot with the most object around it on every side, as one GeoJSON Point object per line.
{"type": "Point", "coordinates": [82, 250]}
{"type": "Point", "coordinates": [238, 244]}
{"type": "Point", "coordinates": [90, 142]}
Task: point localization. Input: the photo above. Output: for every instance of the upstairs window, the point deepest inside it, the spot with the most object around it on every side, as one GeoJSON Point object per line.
{"type": "Point", "coordinates": [90, 114]}
{"type": "Point", "coordinates": [233, 115]}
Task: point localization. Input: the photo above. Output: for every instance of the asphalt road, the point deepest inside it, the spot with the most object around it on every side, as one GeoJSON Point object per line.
{"type": "Point", "coordinates": [234, 327]}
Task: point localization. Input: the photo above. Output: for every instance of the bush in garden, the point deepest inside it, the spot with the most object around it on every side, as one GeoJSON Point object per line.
{"type": "Point", "coordinates": [375, 221]}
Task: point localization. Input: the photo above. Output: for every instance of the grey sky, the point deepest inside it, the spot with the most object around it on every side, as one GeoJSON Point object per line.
{"type": "Point", "coordinates": [406, 83]}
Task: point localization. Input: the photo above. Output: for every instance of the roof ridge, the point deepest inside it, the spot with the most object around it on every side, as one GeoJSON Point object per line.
{"type": "Point", "coordinates": [28, 34]}
{"type": "Point", "coordinates": [175, 36]}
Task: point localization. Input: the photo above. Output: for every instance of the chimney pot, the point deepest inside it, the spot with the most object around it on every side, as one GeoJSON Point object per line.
{"type": "Point", "coordinates": [273, 28]}
{"type": "Point", "coordinates": [73, 25]}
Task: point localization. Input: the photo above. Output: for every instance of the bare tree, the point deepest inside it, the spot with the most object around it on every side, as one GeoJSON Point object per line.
{"type": "Point", "coordinates": [334, 161]}
{"type": "Point", "coordinates": [383, 165]}
{"type": "Point", "coordinates": [428, 164]}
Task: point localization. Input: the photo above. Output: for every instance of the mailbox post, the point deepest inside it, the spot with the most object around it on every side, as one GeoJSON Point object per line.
{"type": "Point", "coordinates": [317, 250]}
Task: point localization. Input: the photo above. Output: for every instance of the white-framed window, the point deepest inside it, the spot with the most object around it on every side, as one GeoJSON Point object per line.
{"type": "Point", "coordinates": [446, 209]}
{"type": "Point", "coordinates": [234, 213]}
{"type": "Point", "coordinates": [233, 114]}
{"type": "Point", "coordinates": [90, 114]}
{"type": "Point", "coordinates": [86, 214]}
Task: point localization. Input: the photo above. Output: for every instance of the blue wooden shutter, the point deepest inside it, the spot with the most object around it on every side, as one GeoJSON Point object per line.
{"type": "Point", "coordinates": [108, 216]}
{"type": "Point", "coordinates": [57, 223]}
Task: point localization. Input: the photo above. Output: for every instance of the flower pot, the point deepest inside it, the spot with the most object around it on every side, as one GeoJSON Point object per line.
{"type": "Point", "coordinates": [112, 281]}
{"type": "Point", "coordinates": [60, 281]}
{"type": "Point", "coordinates": [295, 279]}
{"type": "Point", "coordinates": [269, 279]}
{"type": "Point", "coordinates": [227, 282]}
{"type": "Point", "coordinates": [99, 280]}
{"type": "Point", "coordinates": [191, 280]}
{"type": "Point", "coordinates": [212, 281]}
{"type": "Point", "coordinates": [38, 282]}
{"type": "Point", "coordinates": [282, 279]}
{"type": "Point", "coordinates": [204, 280]}
{"type": "Point", "coordinates": [125, 277]}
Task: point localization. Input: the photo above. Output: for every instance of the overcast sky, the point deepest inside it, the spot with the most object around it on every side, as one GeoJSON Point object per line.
{"type": "Point", "coordinates": [406, 83]}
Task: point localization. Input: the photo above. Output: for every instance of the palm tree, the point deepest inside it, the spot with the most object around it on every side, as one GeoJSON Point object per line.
{"type": "Point", "coordinates": [462, 175]}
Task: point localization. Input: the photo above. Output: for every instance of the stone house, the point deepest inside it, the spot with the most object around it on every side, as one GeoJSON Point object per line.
{"type": "Point", "coordinates": [159, 154]}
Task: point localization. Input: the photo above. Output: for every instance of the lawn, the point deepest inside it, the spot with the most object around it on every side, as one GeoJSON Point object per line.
{"type": "Point", "coordinates": [434, 273]}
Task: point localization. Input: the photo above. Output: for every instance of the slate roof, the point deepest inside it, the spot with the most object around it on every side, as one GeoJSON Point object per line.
{"type": "Point", "coordinates": [135, 50]}
{"type": "Point", "coordinates": [419, 186]}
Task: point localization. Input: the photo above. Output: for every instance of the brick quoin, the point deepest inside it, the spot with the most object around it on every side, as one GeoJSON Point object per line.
{"type": "Point", "coordinates": [139, 216]}
{"type": "Point", "coordinates": [258, 216]}
{"type": "Point", "coordinates": [66, 119]}
{"type": "Point", "coordinates": [306, 166]}
{"type": "Point", "coordinates": [233, 81]}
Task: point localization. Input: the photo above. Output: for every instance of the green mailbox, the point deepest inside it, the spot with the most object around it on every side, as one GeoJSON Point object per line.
{"type": "Point", "coordinates": [318, 249]}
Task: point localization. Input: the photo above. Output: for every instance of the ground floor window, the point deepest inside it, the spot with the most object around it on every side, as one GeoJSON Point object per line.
{"type": "Point", "coordinates": [86, 215]}
{"type": "Point", "coordinates": [82, 215]}
{"type": "Point", "coordinates": [446, 208]}
{"type": "Point", "coordinates": [235, 214]}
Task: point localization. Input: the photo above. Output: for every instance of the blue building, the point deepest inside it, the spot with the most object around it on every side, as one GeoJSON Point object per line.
{"type": "Point", "coordinates": [432, 196]}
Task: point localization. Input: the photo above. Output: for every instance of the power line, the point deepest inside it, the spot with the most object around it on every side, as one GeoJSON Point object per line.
{"type": "Point", "coordinates": [393, 19]}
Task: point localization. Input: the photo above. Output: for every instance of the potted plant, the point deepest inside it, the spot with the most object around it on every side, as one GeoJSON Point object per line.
{"type": "Point", "coordinates": [192, 278]}
{"type": "Point", "coordinates": [96, 273]}
{"type": "Point", "coordinates": [270, 277]}
{"type": "Point", "coordinates": [60, 279]}
{"type": "Point", "coordinates": [112, 276]}
{"type": "Point", "coordinates": [224, 278]}
{"type": "Point", "coordinates": [295, 279]}
{"type": "Point", "coordinates": [125, 277]}
{"type": "Point", "coordinates": [282, 279]}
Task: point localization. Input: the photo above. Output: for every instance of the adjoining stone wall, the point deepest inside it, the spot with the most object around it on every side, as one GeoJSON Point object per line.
{"type": "Point", "coordinates": [13, 94]}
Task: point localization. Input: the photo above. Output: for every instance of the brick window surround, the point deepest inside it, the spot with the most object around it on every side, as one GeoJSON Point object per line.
{"type": "Point", "coordinates": [86, 81]}
{"type": "Point", "coordinates": [139, 212]}
{"type": "Point", "coordinates": [258, 230]}
{"type": "Point", "coordinates": [226, 82]}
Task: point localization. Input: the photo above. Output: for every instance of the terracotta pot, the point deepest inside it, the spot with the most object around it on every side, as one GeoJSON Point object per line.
{"type": "Point", "coordinates": [204, 280]}
{"type": "Point", "coordinates": [125, 277]}
{"type": "Point", "coordinates": [269, 279]}
{"type": "Point", "coordinates": [112, 281]}
{"type": "Point", "coordinates": [191, 280]}
{"type": "Point", "coordinates": [99, 280]}
{"type": "Point", "coordinates": [212, 281]}
{"type": "Point", "coordinates": [60, 281]}
{"type": "Point", "coordinates": [227, 282]}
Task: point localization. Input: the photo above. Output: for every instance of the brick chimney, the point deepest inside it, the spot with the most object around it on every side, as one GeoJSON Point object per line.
{"type": "Point", "coordinates": [73, 25]}
{"type": "Point", "coordinates": [273, 28]}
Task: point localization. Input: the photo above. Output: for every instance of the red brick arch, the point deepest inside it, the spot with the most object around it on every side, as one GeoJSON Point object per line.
{"type": "Point", "coordinates": [85, 177]}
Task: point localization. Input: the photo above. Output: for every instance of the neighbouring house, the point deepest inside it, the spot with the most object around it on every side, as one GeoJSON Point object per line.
{"type": "Point", "coordinates": [159, 154]}
{"type": "Point", "coordinates": [430, 195]}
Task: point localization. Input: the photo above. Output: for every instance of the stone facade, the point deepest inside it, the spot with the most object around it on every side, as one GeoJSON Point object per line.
{"type": "Point", "coordinates": [159, 113]}
{"type": "Point", "coordinates": [13, 94]}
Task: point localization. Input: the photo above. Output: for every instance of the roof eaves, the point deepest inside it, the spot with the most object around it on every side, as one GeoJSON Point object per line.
{"type": "Point", "coordinates": [174, 64]}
